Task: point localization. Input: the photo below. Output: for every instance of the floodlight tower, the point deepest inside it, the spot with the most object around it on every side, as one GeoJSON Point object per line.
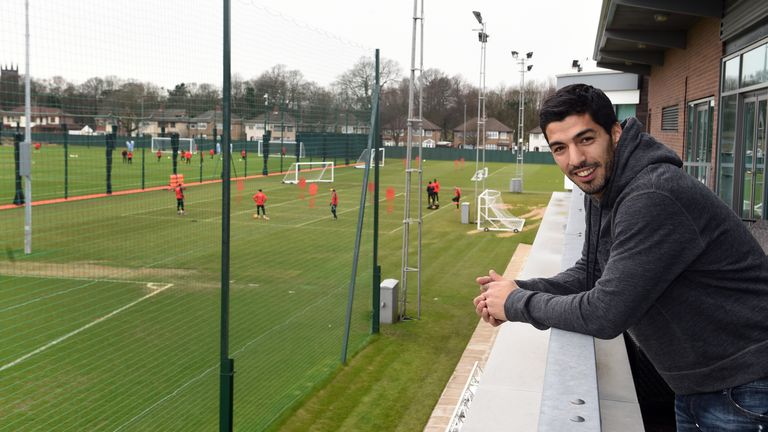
{"type": "Point", "coordinates": [414, 126]}
{"type": "Point", "coordinates": [521, 60]}
{"type": "Point", "coordinates": [482, 36]}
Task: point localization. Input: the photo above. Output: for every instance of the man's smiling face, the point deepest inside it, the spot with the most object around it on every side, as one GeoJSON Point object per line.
{"type": "Point", "coordinates": [584, 151]}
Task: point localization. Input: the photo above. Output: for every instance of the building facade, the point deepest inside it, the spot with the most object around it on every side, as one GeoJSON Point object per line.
{"type": "Point", "coordinates": [705, 67]}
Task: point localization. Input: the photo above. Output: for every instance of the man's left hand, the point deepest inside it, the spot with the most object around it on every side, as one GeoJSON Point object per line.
{"type": "Point", "coordinates": [490, 303]}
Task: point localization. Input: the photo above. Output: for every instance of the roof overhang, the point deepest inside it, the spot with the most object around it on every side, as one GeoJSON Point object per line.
{"type": "Point", "coordinates": [633, 35]}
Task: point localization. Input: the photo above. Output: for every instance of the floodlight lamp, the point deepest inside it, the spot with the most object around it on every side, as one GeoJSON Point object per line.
{"type": "Point", "coordinates": [529, 54]}
{"type": "Point", "coordinates": [514, 54]}
{"type": "Point", "coordinates": [478, 17]}
{"type": "Point", "coordinates": [530, 67]}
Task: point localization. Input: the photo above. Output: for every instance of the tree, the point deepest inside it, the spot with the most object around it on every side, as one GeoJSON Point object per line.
{"type": "Point", "coordinates": [356, 84]}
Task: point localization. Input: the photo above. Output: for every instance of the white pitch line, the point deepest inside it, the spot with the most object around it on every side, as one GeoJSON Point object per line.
{"type": "Point", "coordinates": [424, 217]}
{"type": "Point", "coordinates": [341, 212]}
{"type": "Point", "coordinates": [87, 326]}
{"type": "Point", "coordinates": [91, 282]}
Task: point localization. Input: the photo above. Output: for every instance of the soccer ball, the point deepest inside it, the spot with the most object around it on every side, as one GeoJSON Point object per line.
{"type": "Point", "coordinates": [255, 216]}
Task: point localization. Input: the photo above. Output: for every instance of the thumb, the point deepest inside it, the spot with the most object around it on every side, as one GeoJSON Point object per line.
{"type": "Point", "coordinates": [495, 276]}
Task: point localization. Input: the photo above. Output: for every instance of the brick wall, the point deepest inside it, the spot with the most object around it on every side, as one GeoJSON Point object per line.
{"type": "Point", "coordinates": [687, 75]}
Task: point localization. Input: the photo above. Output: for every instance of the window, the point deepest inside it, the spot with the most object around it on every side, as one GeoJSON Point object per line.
{"type": "Point", "coordinates": [731, 75]}
{"type": "Point", "coordinates": [202, 125]}
{"type": "Point", "coordinates": [503, 135]}
{"type": "Point", "coordinates": [669, 117]}
{"type": "Point", "coordinates": [492, 134]}
{"type": "Point", "coordinates": [754, 70]}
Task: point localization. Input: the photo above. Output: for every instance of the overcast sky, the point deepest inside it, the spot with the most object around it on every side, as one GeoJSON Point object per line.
{"type": "Point", "coordinates": [172, 41]}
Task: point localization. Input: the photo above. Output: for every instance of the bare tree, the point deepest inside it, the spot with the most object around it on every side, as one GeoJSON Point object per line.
{"type": "Point", "coordinates": [356, 84]}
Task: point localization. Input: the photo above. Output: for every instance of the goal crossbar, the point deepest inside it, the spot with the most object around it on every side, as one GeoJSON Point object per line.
{"type": "Point", "coordinates": [310, 172]}
{"type": "Point", "coordinates": [164, 144]}
{"type": "Point", "coordinates": [367, 155]}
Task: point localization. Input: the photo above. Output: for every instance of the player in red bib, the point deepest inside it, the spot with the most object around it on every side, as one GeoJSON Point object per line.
{"type": "Point", "coordinates": [179, 198]}
{"type": "Point", "coordinates": [456, 195]}
{"type": "Point", "coordinates": [334, 203]}
{"type": "Point", "coordinates": [159, 155]}
{"type": "Point", "coordinates": [260, 198]}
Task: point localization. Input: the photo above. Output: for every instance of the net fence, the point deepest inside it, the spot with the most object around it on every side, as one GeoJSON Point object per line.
{"type": "Point", "coordinates": [112, 321]}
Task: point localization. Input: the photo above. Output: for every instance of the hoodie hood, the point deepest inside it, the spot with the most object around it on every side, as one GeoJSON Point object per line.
{"type": "Point", "coordinates": [636, 151]}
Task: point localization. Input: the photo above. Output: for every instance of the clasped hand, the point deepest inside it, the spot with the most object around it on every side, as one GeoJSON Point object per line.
{"type": "Point", "coordinates": [494, 291]}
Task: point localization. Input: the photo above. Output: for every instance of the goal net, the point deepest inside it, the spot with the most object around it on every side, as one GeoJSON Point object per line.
{"type": "Point", "coordinates": [309, 171]}
{"type": "Point", "coordinates": [164, 145]}
{"type": "Point", "coordinates": [367, 155]}
{"type": "Point", "coordinates": [276, 149]}
{"type": "Point", "coordinates": [480, 174]}
{"type": "Point", "coordinates": [492, 213]}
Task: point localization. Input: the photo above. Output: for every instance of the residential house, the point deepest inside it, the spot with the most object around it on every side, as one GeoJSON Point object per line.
{"type": "Point", "coordinates": [203, 125]}
{"type": "Point", "coordinates": [705, 84]}
{"type": "Point", "coordinates": [395, 133]}
{"type": "Point", "coordinates": [281, 123]}
{"type": "Point", "coordinates": [166, 121]}
{"type": "Point", "coordinates": [44, 119]}
{"type": "Point", "coordinates": [498, 136]}
{"type": "Point", "coordinates": [536, 140]}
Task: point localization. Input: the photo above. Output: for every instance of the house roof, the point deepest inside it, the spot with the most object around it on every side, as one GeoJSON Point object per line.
{"type": "Point", "coordinates": [36, 110]}
{"type": "Point", "coordinates": [275, 117]}
{"type": "Point", "coordinates": [208, 117]}
{"type": "Point", "coordinates": [536, 130]}
{"type": "Point", "coordinates": [403, 123]}
{"type": "Point", "coordinates": [168, 115]}
{"type": "Point", "coordinates": [491, 124]}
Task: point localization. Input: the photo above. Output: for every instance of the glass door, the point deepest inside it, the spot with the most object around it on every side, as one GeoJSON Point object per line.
{"type": "Point", "coordinates": [698, 153]}
{"type": "Point", "coordinates": [755, 110]}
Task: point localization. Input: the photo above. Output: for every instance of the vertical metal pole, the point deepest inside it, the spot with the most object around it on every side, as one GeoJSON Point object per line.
{"type": "Point", "coordinates": [376, 297]}
{"type": "Point", "coordinates": [143, 163]}
{"type": "Point", "coordinates": [227, 367]}
{"type": "Point", "coordinates": [480, 110]}
{"type": "Point", "coordinates": [421, 163]}
{"type": "Point", "coordinates": [407, 219]}
{"type": "Point", "coordinates": [359, 231]}
{"type": "Point", "coordinates": [28, 144]}
{"type": "Point", "coordinates": [66, 160]}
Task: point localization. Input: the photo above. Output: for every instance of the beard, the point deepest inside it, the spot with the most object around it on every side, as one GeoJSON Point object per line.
{"type": "Point", "coordinates": [597, 185]}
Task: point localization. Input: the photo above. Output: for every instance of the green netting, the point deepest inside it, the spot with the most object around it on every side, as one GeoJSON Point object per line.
{"type": "Point", "coordinates": [112, 322]}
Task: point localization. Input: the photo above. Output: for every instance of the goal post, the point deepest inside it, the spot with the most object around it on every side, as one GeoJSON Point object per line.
{"type": "Point", "coordinates": [492, 213]}
{"type": "Point", "coordinates": [366, 154]}
{"type": "Point", "coordinates": [309, 171]}
{"type": "Point", "coordinates": [164, 145]}
{"type": "Point", "coordinates": [276, 149]}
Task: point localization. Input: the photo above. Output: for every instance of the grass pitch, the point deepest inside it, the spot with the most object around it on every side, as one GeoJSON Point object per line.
{"type": "Point", "coordinates": [113, 322]}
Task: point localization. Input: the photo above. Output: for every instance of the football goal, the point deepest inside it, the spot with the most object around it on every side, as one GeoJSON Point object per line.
{"type": "Point", "coordinates": [366, 155]}
{"type": "Point", "coordinates": [164, 144]}
{"type": "Point", "coordinates": [480, 174]}
{"type": "Point", "coordinates": [309, 171]}
{"type": "Point", "coordinates": [492, 214]}
{"type": "Point", "coordinates": [276, 149]}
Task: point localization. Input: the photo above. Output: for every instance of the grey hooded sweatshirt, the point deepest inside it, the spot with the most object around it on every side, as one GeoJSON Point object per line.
{"type": "Point", "coordinates": [665, 259]}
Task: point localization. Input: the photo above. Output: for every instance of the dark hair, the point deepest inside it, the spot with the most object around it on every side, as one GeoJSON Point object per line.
{"type": "Point", "coordinates": [577, 99]}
